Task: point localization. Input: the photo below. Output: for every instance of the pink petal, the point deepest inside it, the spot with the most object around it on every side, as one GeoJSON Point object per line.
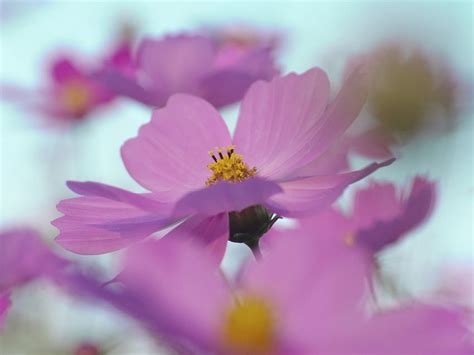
{"type": "Point", "coordinates": [175, 64]}
{"type": "Point", "coordinates": [87, 225]}
{"type": "Point", "coordinates": [180, 287]}
{"type": "Point", "coordinates": [313, 282]}
{"type": "Point", "coordinates": [145, 202]}
{"type": "Point", "coordinates": [228, 84]}
{"type": "Point", "coordinates": [412, 213]}
{"type": "Point", "coordinates": [333, 160]}
{"type": "Point", "coordinates": [212, 232]}
{"type": "Point", "coordinates": [418, 329]}
{"type": "Point", "coordinates": [227, 196]}
{"type": "Point", "coordinates": [120, 84]}
{"type": "Point", "coordinates": [374, 143]}
{"type": "Point", "coordinates": [64, 69]}
{"type": "Point", "coordinates": [23, 257]}
{"type": "Point", "coordinates": [342, 111]}
{"type": "Point", "coordinates": [278, 121]}
{"type": "Point", "coordinates": [306, 196]}
{"type": "Point", "coordinates": [170, 154]}
{"type": "Point", "coordinates": [376, 202]}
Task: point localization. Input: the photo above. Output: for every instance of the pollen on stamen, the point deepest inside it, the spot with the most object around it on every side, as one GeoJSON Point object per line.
{"type": "Point", "coordinates": [230, 167]}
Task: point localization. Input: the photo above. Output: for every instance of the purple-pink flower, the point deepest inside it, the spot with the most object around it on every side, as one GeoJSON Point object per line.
{"type": "Point", "coordinates": [305, 297]}
{"type": "Point", "coordinates": [380, 216]}
{"type": "Point", "coordinates": [72, 91]}
{"type": "Point", "coordinates": [192, 64]}
{"type": "Point", "coordinates": [196, 171]}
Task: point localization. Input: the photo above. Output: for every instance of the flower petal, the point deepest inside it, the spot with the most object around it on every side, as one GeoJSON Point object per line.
{"type": "Point", "coordinates": [24, 256]}
{"type": "Point", "coordinates": [227, 85]}
{"type": "Point", "coordinates": [87, 225]}
{"type": "Point", "coordinates": [175, 64]}
{"type": "Point", "coordinates": [180, 287]}
{"type": "Point", "coordinates": [227, 196]}
{"type": "Point", "coordinates": [306, 196]}
{"type": "Point", "coordinates": [141, 201]}
{"type": "Point", "coordinates": [323, 282]}
{"type": "Point", "coordinates": [342, 111]}
{"type": "Point", "coordinates": [212, 232]}
{"type": "Point", "coordinates": [418, 329]}
{"type": "Point", "coordinates": [278, 121]}
{"type": "Point", "coordinates": [170, 154]}
{"type": "Point", "coordinates": [412, 213]}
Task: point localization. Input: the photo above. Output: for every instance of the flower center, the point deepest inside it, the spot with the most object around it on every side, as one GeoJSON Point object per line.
{"type": "Point", "coordinates": [349, 239]}
{"type": "Point", "coordinates": [76, 97]}
{"type": "Point", "coordinates": [249, 326]}
{"type": "Point", "coordinates": [228, 166]}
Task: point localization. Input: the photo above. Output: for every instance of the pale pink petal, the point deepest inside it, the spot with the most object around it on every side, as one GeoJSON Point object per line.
{"type": "Point", "coordinates": [226, 196]}
{"type": "Point", "coordinates": [87, 226]}
{"type": "Point", "coordinates": [278, 121]}
{"type": "Point", "coordinates": [342, 111]}
{"type": "Point", "coordinates": [227, 84]}
{"type": "Point", "coordinates": [175, 64]}
{"type": "Point", "coordinates": [181, 288]}
{"type": "Point", "coordinates": [413, 211]}
{"type": "Point", "coordinates": [170, 154]}
{"type": "Point", "coordinates": [306, 196]}
{"type": "Point", "coordinates": [212, 232]}
{"type": "Point", "coordinates": [311, 280]}
{"type": "Point", "coordinates": [23, 257]}
{"type": "Point", "coordinates": [145, 202]}
{"type": "Point", "coordinates": [418, 329]}
{"type": "Point", "coordinates": [376, 202]}
{"type": "Point", "coordinates": [374, 143]}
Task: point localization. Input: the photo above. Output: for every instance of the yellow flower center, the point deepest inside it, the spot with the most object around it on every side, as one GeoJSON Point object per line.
{"type": "Point", "coordinates": [249, 327]}
{"type": "Point", "coordinates": [349, 239]}
{"type": "Point", "coordinates": [76, 97]}
{"type": "Point", "coordinates": [228, 166]}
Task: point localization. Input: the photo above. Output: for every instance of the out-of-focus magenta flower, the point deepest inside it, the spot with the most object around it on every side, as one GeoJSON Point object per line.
{"type": "Point", "coordinates": [72, 92]}
{"type": "Point", "coordinates": [304, 297]}
{"type": "Point", "coordinates": [193, 167]}
{"type": "Point", "coordinates": [192, 64]}
{"type": "Point", "coordinates": [23, 257]}
{"type": "Point", "coordinates": [380, 216]}
{"type": "Point", "coordinates": [236, 42]}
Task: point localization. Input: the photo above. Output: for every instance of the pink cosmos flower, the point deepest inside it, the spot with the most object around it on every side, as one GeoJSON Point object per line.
{"type": "Point", "coordinates": [306, 297]}
{"type": "Point", "coordinates": [72, 92]}
{"type": "Point", "coordinates": [23, 258]}
{"type": "Point", "coordinates": [380, 217]}
{"type": "Point", "coordinates": [191, 64]}
{"type": "Point", "coordinates": [225, 187]}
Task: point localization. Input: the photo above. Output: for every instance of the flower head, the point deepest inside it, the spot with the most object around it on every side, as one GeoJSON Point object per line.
{"type": "Point", "coordinates": [163, 68]}
{"type": "Point", "coordinates": [304, 297]}
{"type": "Point", "coordinates": [72, 91]}
{"type": "Point", "coordinates": [283, 126]}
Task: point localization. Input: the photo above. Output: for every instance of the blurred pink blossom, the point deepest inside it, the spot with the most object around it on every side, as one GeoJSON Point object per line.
{"type": "Point", "coordinates": [192, 64]}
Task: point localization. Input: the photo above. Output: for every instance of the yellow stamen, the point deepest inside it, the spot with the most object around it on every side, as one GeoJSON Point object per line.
{"type": "Point", "coordinates": [349, 239]}
{"type": "Point", "coordinates": [228, 166]}
{"type": "Point", "coordinates": [76, 97]}
{"type": "Point", "coordinates": [249, 327]}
